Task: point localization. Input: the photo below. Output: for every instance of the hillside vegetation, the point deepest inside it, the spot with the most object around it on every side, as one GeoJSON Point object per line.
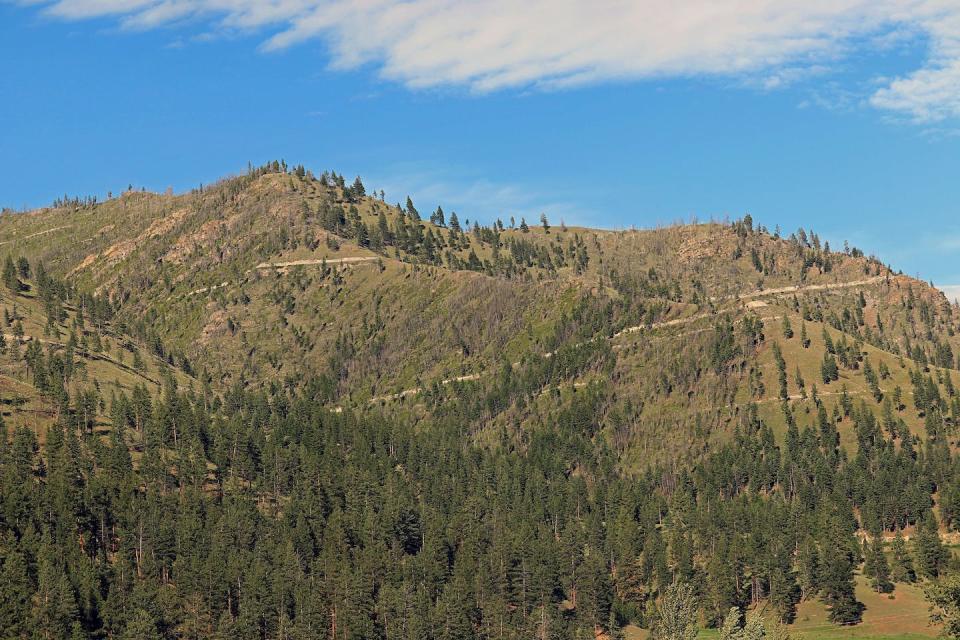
{"type": "Point", "coordinates": [280, 407]}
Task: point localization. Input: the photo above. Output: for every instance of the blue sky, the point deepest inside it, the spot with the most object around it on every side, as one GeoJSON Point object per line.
{"type": "Point", "coordinates": [842, 116]}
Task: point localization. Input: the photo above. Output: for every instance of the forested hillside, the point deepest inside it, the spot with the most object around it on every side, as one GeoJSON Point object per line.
{"type": "Point", "coordinates": [280, 407]}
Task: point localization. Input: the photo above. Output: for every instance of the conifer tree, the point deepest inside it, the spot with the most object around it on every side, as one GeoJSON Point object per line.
{"type": "Point", "coordinates": [828, 342]}
{"type": "Point", "coordinates": [872, 382]}
{"type": "Point", "coordinates": [837, 583]}
{"type": "Point", "coordinates": [675, 617]}
{"type": "Point", "coordinates": [784, 590]}
{"type": "Point", "coordinates": [801, 383]}
{"type": "Point", "coordinates": [902, 566]}
{"type": "Point", "coordinates": [54, 606]}
{"type": "Point", "coordinates": [876, 567]}
{"type": "Point", "coordinates": [787, 328]}
{"type": "Point", "coordinates": [828, 369]}
{"type": "Point", "coordinates": [412, 210]}
{"type": "Point", "coordinates": [10, 279]}
{"type": "Point", "coordinates": [16, 590]}
{"type": "Point", "coordinates": [734, 628]}
{"type": "Point", "coordinates": [931, 554]}
{"type": "Point", "coordinates": [781, 371]}
{"type": "Point", "coordinates": [358, 191]}
{"type": "Point", "coordinates": [141, 626]}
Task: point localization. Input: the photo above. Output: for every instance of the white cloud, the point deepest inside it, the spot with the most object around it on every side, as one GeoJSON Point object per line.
{"type": "Point", "coordinates": [931, 93]}
{"type": "Point", "coordinates": [489, 45]}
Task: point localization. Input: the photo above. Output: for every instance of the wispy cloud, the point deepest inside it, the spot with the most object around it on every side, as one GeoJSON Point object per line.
{"type": "Point", "coordinates": [474, 198]}
{"type": "Point", "coordinates": [946, 241]}
{"type": "Point", "coordinates": [490, 45]}
{"type": "Point", "coordinates": [932, 93]}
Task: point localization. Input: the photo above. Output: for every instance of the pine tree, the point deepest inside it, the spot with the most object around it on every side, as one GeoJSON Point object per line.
{"type": "Point", "coordinates": [735, 629]}
{"type": "Point", "coordinates": [787, 328]}
{"type": "Point", "coordinates": [783, 589]}
{"type": "Point", "coordinates": [931, 554]}
{"type": "Point", "coordinates": [15, 590]}
{"type": "Point", "coordinates": [455, 611]}
{"type": "Point", "coordinates": [676, 614]}
{"type": "Point", "coordinates": [23, 267]}
{"type": "Point", "coordinates": [837, 584]}
{"type": "Point", "coordinates": [808, 568]}
{"type": "Point", "coordinates": [732, 628]}
{"type": "Point", "coordinates": [141, 626]}
{"type": "Point", "coordinates": [781, 371]}
{"type": "Point", "coordinates": [828, 369]}
{"type": "Point", "coordinates": [871, 377]}
{"type": "Point", "coordinates": [358, 190]}
{"type": "Point", "coordinates": [138, 363]}
{"type": "Point", "coordinates": [55, 606]}
{"type": "Point", "coordinates": [902, 568]}
{"type": "Point", "coordinates": [412, 210]}
{"type": "Point", "coordinates": [10, 279]}
{"type": "Point", "coordinates": [884, 370]}
{"type": "Point", "coordinates": [594, 592]}
{"type": "Point", "coordinates": [876, 567]}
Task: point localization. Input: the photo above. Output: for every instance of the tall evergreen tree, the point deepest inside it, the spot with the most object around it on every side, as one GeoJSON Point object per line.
{"type": "Point", "coordinates": [902, 566]}
{"type": "Point", "coordinates": [675, 617]}
{"type": "Point", "coordinates": [10, 279]}
{"type": "Point", "coordinates": [876, 567]}
{"type": "Point", "coordinates": [931, 554]}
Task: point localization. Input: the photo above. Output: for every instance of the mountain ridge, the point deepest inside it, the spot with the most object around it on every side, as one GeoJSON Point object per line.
{"type": "Point", "coordinates": [280, 262]}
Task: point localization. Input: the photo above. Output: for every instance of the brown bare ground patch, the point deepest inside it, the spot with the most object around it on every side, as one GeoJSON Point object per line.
{"type": "Point", "coordinates": [85, 263]}
{"type": "Point", "coordinates": [119, 251]}
{"type": "Point", "coordinates": [205, 235]}
{"type": "Point", "coordinates": [215, 327]}
{"type": "Point", "coordinates": [161, 226]}
{"type": "Point", "coordinates": [698, 247]}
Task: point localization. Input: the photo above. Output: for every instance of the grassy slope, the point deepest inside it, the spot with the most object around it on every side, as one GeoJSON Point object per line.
{"type": "Point", "coordinates": [188, 264]}
{"type": "Point", "coordinates": [901, 615]}
{"type": "Point", "coordinates": [109, 370]}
